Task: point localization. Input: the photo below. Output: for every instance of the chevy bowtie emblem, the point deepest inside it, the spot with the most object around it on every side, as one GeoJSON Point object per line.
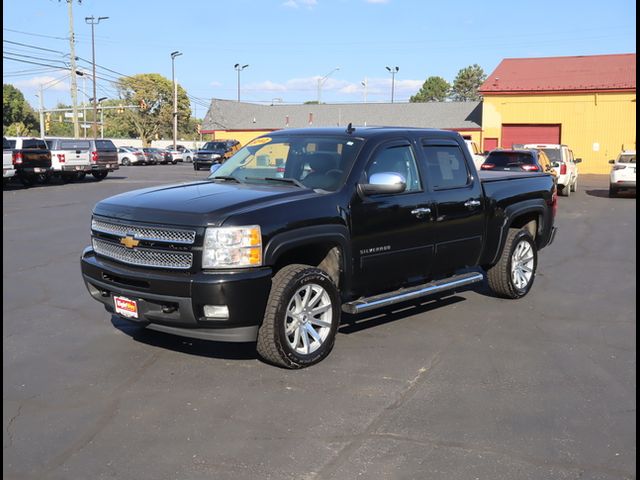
{"type": "Point", "coordinates": [129, 242]}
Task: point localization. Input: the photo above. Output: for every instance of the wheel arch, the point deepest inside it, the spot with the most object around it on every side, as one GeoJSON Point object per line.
{"type": "Point", "coordinates": [530, 216]}
{"type": "Point", "coordinates": [326, 247]}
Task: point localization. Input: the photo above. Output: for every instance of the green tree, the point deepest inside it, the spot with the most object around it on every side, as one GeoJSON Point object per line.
{"type": "Point", "coordinates": [153, 95]}
{"type": "Point", "coordinates": [17, 112]}
{"type": "Point", "coordinates": [59, 125]}
{"type": "Point", "coordinates": [467, 82]}
{"type": "Point", "coordinates": [434, 89]}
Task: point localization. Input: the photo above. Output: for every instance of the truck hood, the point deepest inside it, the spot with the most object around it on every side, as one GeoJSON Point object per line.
{"type": "Point", "coordinates": [195, 204]}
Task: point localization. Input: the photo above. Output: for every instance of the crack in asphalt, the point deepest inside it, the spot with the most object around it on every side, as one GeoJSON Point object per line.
{"type": "Point", "coordinates": [8, 429]}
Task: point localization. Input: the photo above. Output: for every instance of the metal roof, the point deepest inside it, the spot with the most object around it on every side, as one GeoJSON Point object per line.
{"type": "Point", "coordinates": [231, 115]}
{"type": "Point", "coordinates": [563, 74]}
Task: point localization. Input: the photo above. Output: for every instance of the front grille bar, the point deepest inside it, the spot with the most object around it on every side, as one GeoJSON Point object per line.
{"type": "Point", "coordinates": [152, 234]}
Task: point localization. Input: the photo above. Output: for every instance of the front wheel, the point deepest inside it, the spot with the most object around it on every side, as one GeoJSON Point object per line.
{"type": "Point", "coordinates": [126, 162]}
{"type": "Point", "coordinates": [513, 275]}
{"type": "Point", "coordinates": [301, 318]}
{"type": "Point", "coordinates": [566, 190]}
{"type": "Point", "coordinates": [100, 175]}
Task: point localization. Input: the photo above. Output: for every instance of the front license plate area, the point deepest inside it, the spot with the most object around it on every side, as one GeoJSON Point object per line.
{"type": "Point", "coordinates": [126, 307]}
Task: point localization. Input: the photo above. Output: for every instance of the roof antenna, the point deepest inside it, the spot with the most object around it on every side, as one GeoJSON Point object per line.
{"type": "Point", "coordinates": [350, 129]}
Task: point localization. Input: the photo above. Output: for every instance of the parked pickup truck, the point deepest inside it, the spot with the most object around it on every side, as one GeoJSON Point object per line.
{"type": "Point", "coordinates": [7, 161]}
{"type": "Point", "coordinates": [31, 159]}
{"type": "Point", "coordinates": [358, 219]}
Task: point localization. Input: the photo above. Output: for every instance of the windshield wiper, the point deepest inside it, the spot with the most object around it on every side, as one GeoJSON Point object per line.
{"type": "Point", "coordinates": [226, 177]}
{"type": "Point", "coordinates": [291, 181]}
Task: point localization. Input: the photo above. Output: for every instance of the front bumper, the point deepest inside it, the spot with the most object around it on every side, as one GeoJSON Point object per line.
{"type": "Point", "coordinates": [173, 302]}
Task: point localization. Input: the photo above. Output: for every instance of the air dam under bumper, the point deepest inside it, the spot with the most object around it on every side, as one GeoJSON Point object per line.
{"type": "Point", "coordinates": [173, 302]}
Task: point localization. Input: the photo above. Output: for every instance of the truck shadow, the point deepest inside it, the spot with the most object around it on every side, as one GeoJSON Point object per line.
{"type": "Point", "coordinates": [190, 346]}
{"type": "Point", "coordinates": [605, 193]}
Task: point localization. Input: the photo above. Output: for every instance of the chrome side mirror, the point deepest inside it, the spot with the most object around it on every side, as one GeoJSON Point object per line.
{"type": "Point", "coordinates": [384, 182]}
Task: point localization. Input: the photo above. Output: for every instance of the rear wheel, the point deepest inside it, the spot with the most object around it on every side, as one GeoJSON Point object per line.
{"type": "Point", "coordinates": [301, 318]}
{"type": "Point", "coordinates": [574, 186]}
{"type": "Point", "coordinates": [27, 180]}
{"type": "Point", "coordinates": [126, 162]}
{"type": "Point", "coordinates": [513, 275]}
{"type": "Point", "coordinates": [100, 175]}
{"type": "Point", "coordinates": [566, 190]}
{"type": "Point", "coordinates": [612, 191]}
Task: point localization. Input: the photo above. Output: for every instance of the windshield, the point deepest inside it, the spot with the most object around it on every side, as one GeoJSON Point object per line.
{"type": "Point", "coordinates": [506, 159]}
{"type": "Point", "coordinates": [317, 162]}
{"type": "Point", "coordinates": [627, 159]}
{"type": "Point", "coordinates": [214, 146]}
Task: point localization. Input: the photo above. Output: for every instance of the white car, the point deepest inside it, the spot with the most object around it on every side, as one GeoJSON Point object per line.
{"type": "Point", "coordinates": [187, 155]}
{"type": "Point", "coordinates": [176, 155]}
{"type": "Point", "coordinates": [130, 156]}
{"type": "Point", "coordinates": [564, 164]}
{"type": "Point", "coordinates": [623, 173]}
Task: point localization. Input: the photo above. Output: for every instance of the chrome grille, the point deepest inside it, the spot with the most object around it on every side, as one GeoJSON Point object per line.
{"type": "Point", "coordinates": [144, 257]}
{"type": "Point", "coordinates": [153, 234]}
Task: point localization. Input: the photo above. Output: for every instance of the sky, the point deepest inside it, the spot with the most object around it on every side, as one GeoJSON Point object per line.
{"type": "Point", "coordinates": [293, 47]}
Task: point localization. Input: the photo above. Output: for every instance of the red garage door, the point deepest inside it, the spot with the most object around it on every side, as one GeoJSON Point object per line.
{"type": "Point", "coordinates": [520, 134]}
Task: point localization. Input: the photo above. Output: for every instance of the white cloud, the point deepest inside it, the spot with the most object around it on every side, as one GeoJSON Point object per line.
{"type": "Point", "coordinates": [290, 4]}
{"type": "Point", "coordinates": [49, 83]}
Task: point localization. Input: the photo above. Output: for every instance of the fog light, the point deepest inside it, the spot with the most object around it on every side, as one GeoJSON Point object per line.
{"type": "Point", "coordinates": [221, 312]}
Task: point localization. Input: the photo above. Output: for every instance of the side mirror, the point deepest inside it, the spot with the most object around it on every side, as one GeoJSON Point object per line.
{"type": "Point", "coordinates": [577, 160]}
{"type": "Point", "coordinates": [612, 161]}
{"type": "Point", "coordinates": [384, 182]}
{"type": "Point", "coordinates": [555, 164]}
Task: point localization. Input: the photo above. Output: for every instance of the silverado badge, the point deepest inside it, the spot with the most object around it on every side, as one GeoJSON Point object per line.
{"type": "Point", "coordinates": [129, 242]}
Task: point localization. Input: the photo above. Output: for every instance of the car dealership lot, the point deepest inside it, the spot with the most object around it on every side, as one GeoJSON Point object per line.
{"type": "Point", "coordinates": [469, 386]}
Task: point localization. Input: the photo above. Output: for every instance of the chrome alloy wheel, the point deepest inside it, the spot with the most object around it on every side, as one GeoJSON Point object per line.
{"type": "Point", "coordinates": [309, 318]}
{"type": "Point", "coordinates": [522, 265]}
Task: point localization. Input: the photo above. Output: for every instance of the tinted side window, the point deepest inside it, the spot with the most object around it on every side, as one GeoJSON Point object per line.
{"type": "Point", "coordinates": [398, 159]}
{"type": "Point", "coordinates": [446, 166]}
{"type": "Point", "coordinates": [105, 145]}
{"type": "Point", "coordinates": [6, 145]}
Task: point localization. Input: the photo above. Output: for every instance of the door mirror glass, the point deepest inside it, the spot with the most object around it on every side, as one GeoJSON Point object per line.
{"type": "Point", "coordinates": [577, 160]}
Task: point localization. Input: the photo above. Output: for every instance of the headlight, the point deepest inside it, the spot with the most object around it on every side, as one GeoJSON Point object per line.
{"type": "Point", "coordinates": [215, 156]}
{"type": "Point", "coordinates": [232, 247]}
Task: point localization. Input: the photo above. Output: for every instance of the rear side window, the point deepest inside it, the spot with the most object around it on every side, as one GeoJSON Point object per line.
{"type": "Point", "coordinates": [446, 167]}
{"type": "Point", "coordinates": [105, 145]}
{"type": "Point", "coordinates": [74, 145]}
{"type": "Point", "coordinates": [6, 144]}
{"type": "Point", "coordinates": [34, 143]}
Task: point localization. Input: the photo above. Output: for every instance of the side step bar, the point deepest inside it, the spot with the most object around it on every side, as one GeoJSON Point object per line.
{"type": "Point", "coordinates": [404, 294]}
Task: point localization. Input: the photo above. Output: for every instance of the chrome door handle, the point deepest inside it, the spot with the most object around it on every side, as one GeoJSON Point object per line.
{"type": "Point", "coordinates": [472, 203]}
{"type": "Point", "coordinates": [421, 212]}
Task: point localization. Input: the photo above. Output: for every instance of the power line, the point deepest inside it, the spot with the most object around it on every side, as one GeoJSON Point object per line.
{"type": "Point", "coordinates": [36, 34]}
{"type": "Point", "coordinates": [33, 46]}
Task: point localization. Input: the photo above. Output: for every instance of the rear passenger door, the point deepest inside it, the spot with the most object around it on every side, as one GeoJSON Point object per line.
{"type": "Point", "coordinates": [459, 205]}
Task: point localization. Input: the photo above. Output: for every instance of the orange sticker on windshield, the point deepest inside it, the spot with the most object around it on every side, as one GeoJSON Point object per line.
{"type": "Point", "coordinates": [260, 141]}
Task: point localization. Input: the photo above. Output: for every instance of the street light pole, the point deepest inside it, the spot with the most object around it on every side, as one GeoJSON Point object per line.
{"type": "Point", "coordinates": [324, 79]}
{"type": "Point", "coordinates": [93, 22]}
{"type": "Point", "coordinates": [239, 68]}
{"type": "Point", "coordinates": [393, 71]}
{"type": "Point", "coordinates": [175, 97]}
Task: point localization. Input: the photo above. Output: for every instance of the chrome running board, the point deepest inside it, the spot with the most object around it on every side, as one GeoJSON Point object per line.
{"type": "Point", "coordinates": [404, 294]}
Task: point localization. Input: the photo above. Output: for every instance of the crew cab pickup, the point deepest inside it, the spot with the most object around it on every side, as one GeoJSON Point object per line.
{"type": "Point", "coordinates": [301, 225]}
{"type": "Point", "coordinates": [31, 159]}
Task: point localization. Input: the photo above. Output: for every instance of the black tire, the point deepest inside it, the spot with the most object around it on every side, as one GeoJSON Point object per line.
{"type": "Point", "coordinates": [79, 176]}
{"type": "Point", "coordinates": [501, 275]}
{"type": "Point", "coordinates": [196, 167]}
{"type": "Point", "coordinates": [612, 192]}
{"type": "Point", "coordinates": [274, 344]}
{"type": "Point", "coordinates": [27, 180]}
{"type": "Point", "coordinates": [126, 162]}
{"type": "Point", "coordinates": [43, 178]}
{"type": "Point", "coordinates": [174, 162]}
{"type": "Point", "coordinates": [566, 190]}
{"type": "Point", "coordinates": [101, 175]}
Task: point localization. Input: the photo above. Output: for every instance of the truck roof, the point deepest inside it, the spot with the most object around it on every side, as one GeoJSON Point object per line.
{"type": "Point", "coordinates": [361, 131]}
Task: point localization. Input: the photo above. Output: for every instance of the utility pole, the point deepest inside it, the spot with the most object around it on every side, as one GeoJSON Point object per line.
{"type": "Point", "coordinates": [74, 84]}
{"type": "Point", "coordinates": [175, 97]}
{"type": "Point", "coordinates": [42, 132]}
{"type": "Point", "coordinates": [93, 22]}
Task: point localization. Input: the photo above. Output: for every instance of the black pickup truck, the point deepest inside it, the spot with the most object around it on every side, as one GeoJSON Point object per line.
{"type": "Point", "coordinates": [31, 160]}
{"type": "Point", "coordinates": [301, 225]}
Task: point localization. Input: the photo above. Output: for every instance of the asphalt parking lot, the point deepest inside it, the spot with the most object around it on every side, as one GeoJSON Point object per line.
{"type": "Point", "coordinates": [468, 387]}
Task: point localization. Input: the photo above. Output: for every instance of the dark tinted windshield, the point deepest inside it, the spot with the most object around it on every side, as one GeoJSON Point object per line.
{"type": "Point", "coordinates": [215, 146]}
{"type": "Point", "coordinates": [506, 159]}
{"type": "Point", "coordinates": [627, 159]}
{"type": "Point", "coordinates": [6, 145]}
{"type": "Point", "coordinates": [34, 143]}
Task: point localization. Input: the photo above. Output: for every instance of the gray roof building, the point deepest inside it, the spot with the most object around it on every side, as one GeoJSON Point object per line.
{"type": "Point", "coordinates": [231, 115]}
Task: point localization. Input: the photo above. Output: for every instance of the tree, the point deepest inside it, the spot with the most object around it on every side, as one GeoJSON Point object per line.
{"type": "Point", "coordinates": [434, 89]}
{"type": "Point", "coordinates": [16, 112]}
{"type": "Point", "coordinates": [153, 94]}
{"type": "Point", "coordinates": [467, 83]}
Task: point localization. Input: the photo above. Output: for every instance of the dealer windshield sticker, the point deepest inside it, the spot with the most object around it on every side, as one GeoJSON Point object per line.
{"type": "Point", "coordinates": [260, 141]}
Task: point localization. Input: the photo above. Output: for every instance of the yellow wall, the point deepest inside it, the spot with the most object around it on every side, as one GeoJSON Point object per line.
{"type": "Point", "coordinates": [595, 126]}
